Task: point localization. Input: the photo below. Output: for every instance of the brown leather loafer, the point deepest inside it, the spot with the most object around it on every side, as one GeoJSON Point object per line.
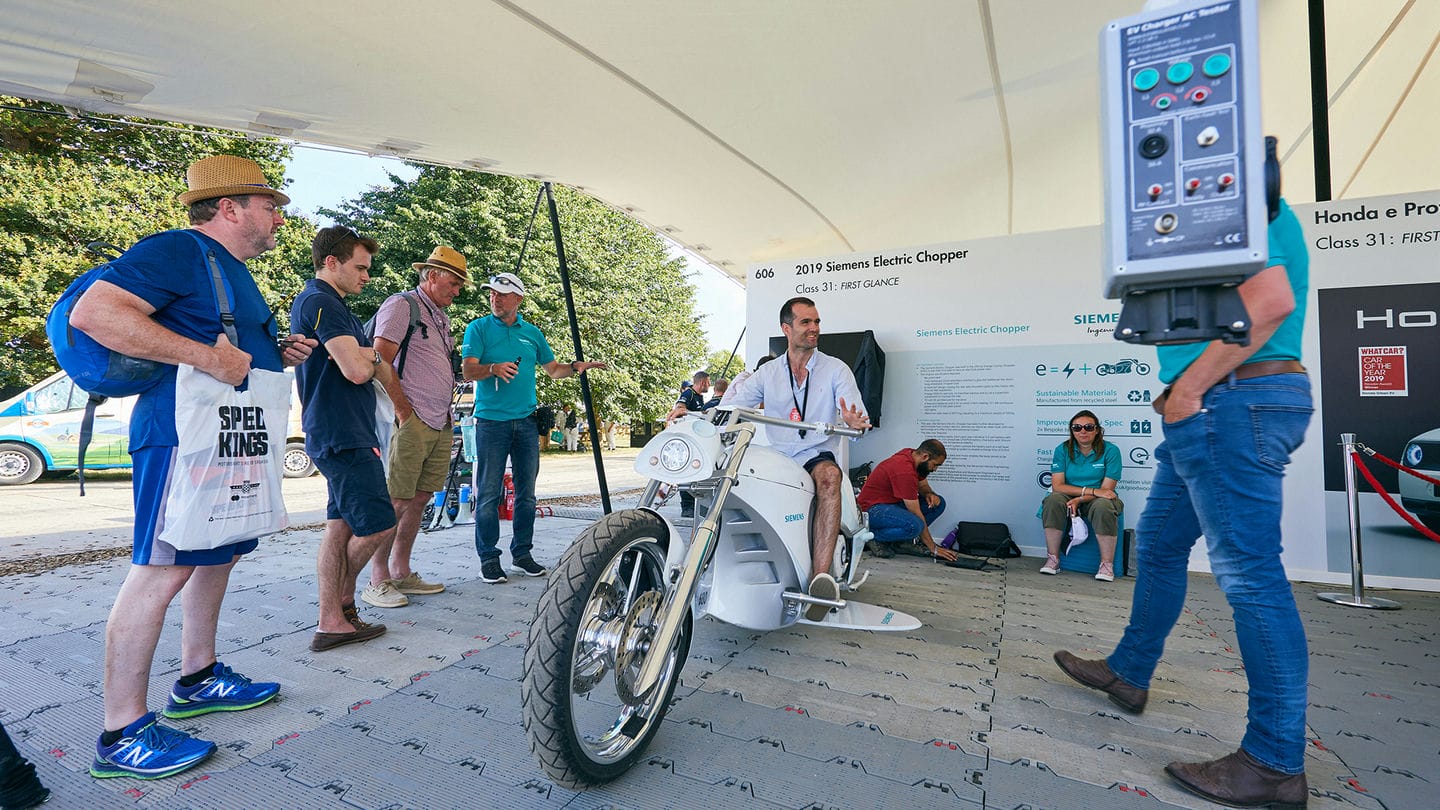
{"type": "Point", "coordinates": [1097, 675]}
{"type": "Point", "coordinates": [1239, 780]}
{"type": "Point", "coordinates": [329, 641]}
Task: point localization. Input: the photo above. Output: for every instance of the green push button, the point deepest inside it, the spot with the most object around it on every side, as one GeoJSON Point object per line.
{"type": "Point", "coordinates": [1180, 72]}
{"type": "Point", "coordinates": [1146, 79]}
{"type": "Point", "coordinates": [1163, 102]}
{"type": "Point", "coordinates": [1216, 65]}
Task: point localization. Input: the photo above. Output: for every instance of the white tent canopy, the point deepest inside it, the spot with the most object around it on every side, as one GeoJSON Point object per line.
{"type": "Point", "coordinates": [747, 130]}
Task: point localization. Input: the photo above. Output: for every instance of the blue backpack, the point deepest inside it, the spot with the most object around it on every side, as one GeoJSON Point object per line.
{"type": "Point", "coordinates": [104, 373]}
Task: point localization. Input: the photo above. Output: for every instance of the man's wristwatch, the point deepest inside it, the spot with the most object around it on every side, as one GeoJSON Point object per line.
{"type": "Point", "coordinates": [378, 358]}
{"type": "Point", "coordinates": [573, 369]}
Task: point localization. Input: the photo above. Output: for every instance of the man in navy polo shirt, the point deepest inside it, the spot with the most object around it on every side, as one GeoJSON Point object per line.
{"type": "Point", "coordinates": [502, 351]}
{"type": "Point", "coordinates": [338, 415]}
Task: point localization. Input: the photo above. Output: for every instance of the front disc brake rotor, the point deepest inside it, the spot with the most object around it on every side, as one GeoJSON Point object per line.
{"type": "Point", "coordinates": [598, 636]}
{"type": "Point", "coordinates": [640, 625]}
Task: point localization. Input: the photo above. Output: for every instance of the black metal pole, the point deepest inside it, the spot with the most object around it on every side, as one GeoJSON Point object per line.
{"type": "Point", "coordinates": [520, 260]}
{"type": "Point", "coordinates": [1319, 101]}
{"type": "Point", "coordinates": [579, 353]}
{"type": "Point", "coordinates": [726, 371]}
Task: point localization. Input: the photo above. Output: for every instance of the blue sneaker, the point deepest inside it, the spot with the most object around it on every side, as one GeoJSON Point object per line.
{"type": "Point", "coordinates": [148, 750]}
{"type": "Point", "coordinates": [224, 691]}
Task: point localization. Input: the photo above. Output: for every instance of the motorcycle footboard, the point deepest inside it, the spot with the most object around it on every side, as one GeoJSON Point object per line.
{"type": "Point", "coordinates": [860, 616]}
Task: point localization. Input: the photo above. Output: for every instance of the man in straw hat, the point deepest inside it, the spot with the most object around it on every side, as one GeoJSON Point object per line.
{"type": "Point", "coordinates": [413, 335]}
{"type": "Point", "coordinates": [158, 302]}
{"type": "Point", "coordinates": [502, 351]}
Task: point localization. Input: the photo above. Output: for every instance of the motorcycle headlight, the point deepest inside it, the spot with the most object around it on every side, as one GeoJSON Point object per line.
{"type": "Point", "coordinates": [674, 455]}
{"type": "Point", "coordinates": [1413, 455]}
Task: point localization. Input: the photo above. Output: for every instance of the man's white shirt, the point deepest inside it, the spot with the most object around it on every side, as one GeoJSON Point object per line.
{"type": "Point", "coordinates": [827, 381]}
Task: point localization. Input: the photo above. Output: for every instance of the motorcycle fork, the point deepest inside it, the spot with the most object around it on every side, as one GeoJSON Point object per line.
{"type": "Point", "coordinates": [684, 578]}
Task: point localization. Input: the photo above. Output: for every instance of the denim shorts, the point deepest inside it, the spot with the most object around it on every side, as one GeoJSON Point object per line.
{"type": "Point", "coordinates": [355, 481]}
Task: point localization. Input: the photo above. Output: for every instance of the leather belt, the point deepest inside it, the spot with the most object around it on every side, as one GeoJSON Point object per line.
{"type": "Point", "coordinates": [1248, 371]}
{"type": "Point", "coordinates": [1264, 368]}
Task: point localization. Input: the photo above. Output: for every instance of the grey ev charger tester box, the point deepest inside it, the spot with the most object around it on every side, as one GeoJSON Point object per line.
{"type": "Point", "coordinates": [1185, 205]}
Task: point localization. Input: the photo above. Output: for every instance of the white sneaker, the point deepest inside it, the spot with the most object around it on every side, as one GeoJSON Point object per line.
{"type": "Point", "coordinates": [384, 595]}
{"type": "Point", "coordinates": [824, 587]}
{"type": "Point", "coordinates": [1106, 572]}
{"type": "Point", "coordinates": [1051, 566]}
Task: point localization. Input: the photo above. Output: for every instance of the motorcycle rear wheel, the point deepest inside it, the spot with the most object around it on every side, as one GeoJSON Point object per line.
{"type": "Point", "coordinates": [587, 643]}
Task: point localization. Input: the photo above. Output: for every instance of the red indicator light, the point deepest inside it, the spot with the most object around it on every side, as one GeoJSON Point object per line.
{"type": "Point", "coordinates": [1199, 95]}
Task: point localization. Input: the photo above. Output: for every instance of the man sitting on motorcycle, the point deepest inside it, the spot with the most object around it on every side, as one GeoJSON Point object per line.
{"type": "Point", "coordinates": [810, 386]}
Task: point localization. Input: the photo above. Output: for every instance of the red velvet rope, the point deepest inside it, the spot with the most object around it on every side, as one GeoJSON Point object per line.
{"type": "Point", "coordinates": [1370, 477]}
{"type": "Point", "coordinates": [1402, 468]}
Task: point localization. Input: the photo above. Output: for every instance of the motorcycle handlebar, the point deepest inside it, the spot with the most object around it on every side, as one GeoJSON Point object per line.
{"type": "Point", "coordinates": [819, 427]}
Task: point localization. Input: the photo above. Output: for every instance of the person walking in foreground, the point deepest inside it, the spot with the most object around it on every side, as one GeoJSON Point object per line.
{"type": "Point", "coordinates": [1233, 416]}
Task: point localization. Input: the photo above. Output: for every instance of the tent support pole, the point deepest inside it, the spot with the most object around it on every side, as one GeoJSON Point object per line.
{"type": "Point", "coordinates": [1319, 101]}
{"type": "Point", "coordinates": [579, 353]}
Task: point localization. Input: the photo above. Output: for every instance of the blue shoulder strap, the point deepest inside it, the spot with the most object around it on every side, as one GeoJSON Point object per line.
{"type": "Point", "coordinates": [222, 298]}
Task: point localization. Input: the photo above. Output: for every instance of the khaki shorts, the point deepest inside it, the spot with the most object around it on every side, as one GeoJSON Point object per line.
{"type": "Point", "coordinates": [419, 459]}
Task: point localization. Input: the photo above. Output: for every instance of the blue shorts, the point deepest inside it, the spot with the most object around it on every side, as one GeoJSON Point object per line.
{"type": "Point", "coordinates": [152, 472]}
{"type": "Point", "coordinates": [355, 480]}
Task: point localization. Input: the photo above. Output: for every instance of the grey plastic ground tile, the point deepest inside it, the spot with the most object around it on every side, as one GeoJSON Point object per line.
{"type": "Point", "coordinates": [25, 688]}
{"type": "Point", "coordinates": [369, 773]}
{"type": "Point", "coordinates": [245, 786]}
{"type": "Point", "coordinates": [1031, 784]}
{"type": "Point", "coordinates": [653, 785]}
{"type": "Point", "coordinates": [14, 627]}
{"type": "Point", "coordinates": [439, 732]}
{"type": "Point", "coordinates": [894, 759]}
{"type": "Point", "coordinates": [1055, 691]}
{"type": "Point", "coordinates": [783, 778]}
{"type": "Point", "coordinates": [71, 657]}
{"type": "Point", "coordinates": [959, 722]}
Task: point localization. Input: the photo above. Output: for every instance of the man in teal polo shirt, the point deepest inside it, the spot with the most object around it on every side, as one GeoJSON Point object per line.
{"type": "Point", "coordinates": [1233, 415]}
{"type": "Point", "coordinates": [502, 351]}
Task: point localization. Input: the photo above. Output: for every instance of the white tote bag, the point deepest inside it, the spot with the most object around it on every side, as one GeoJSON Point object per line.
{"type": "Point", "coordinates": [225, 476]}
{"type": "Point", "coordinates": [384, 422]}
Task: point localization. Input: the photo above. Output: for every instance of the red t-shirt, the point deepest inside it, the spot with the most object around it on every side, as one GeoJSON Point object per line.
{"type": "Point", "coordinates": [892, 481]}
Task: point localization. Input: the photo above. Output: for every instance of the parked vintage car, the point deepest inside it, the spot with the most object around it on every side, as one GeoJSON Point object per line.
{"type": "Point", "coordinates": [40, 434]}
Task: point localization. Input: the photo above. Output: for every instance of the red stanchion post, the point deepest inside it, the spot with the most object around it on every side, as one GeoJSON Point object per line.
{"type": "Point", "coordinates": [1356, 597]}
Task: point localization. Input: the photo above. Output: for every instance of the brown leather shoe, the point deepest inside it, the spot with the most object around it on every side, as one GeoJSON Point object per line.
{"type": "Point", "coordinates": [1239, 780]}
{"type": "Point", "coordinates": [364, 631]}
{"type": "Point", "coordinates": [1097, 675]}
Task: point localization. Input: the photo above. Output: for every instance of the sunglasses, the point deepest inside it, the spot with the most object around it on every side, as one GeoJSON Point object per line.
{"type": "Point", "coordinates": [1082, 428]}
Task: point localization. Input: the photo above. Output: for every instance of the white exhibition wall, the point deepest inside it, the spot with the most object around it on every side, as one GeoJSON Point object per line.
{"type": "Point", "coordinates": [992, 345]}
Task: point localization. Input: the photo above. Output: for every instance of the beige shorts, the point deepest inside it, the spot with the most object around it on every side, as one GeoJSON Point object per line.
{"type": "Point", "coordinates": [419, 459]}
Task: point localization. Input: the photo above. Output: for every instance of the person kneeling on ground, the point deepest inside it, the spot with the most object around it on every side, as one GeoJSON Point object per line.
{"type": "Point", "coordinates": [901, 504]}
{"type": "Point", "coordinates": [1084, 473]}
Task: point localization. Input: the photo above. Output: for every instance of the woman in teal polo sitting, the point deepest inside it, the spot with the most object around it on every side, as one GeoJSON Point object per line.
{"type": "Point", "coordinates": [1084, 472]}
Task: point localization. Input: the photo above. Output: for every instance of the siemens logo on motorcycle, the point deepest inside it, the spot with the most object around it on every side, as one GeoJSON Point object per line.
{"type": "Point", "coordinates": [794, 517]}
{"type": "Point", "coordinates": [242, 432]}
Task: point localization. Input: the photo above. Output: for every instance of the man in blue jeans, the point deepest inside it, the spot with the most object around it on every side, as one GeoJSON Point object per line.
{"type": "Point", "coordinates": [900, 502]}
{"type": "Point", "coordinates": [502, 351]}
{"type": "Point", "coordinates": [1233, 415]}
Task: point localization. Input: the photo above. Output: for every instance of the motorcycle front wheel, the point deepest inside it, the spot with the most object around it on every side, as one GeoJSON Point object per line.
{"type": "Point", "coordinates": [591, 634]}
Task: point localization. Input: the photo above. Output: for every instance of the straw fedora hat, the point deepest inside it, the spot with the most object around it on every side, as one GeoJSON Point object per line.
{"type": "Point", "coordinates": [447, 259]}
{"type": "Point", "coordinates": [227, 176]}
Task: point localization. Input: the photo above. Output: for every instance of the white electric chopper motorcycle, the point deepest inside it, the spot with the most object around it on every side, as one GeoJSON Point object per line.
{"type": "Point", "coordinates": [612, 629]}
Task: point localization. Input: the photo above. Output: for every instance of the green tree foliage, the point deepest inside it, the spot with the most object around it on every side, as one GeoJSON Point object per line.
{"type": "Point", "coordinates": [715, 364]}
{"type": "Point", "coordinates": [634, 307]}
{"type": "Point", "coordinates": [68, 181]}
